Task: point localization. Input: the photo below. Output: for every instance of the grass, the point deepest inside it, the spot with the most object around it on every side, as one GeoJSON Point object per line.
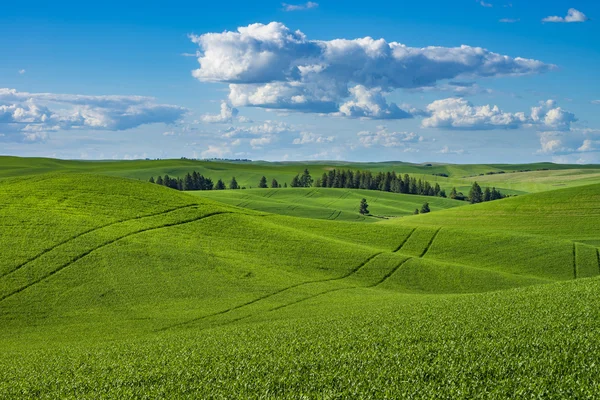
{"type": "Point", "coordinates": [111, 287]}
{"type": "Point", "coordinates": [324, 203]}
{"type": "Point", "coordinates": [570, 213]}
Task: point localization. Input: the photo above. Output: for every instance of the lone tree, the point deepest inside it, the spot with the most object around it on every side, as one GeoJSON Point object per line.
{"type": "Point", "coordinates": [151, 179]}
{"type": "Point", "coordinates": [275, 184]}
{"type": "Point", "coordinates": [263, 183]}
{"type": "Point", "coordinates": [220, 185]}
{"type": "Point", "coordinates": [233, 184]}
{"type": "Point", "coordinates": [364, 207]}
{"type": "Point", "coordinates": [425, 208]}
{"type": "Point", "coordinates": [475, 194]}
{"type": "Point", "coordinates": [416, 211]}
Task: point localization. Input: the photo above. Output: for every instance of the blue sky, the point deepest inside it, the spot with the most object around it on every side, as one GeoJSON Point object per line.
{"type": "Point", "coordinates": [304, 80]}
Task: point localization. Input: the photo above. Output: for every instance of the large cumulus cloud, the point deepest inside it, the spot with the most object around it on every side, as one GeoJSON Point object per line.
{"type": "Point", "coordinates": [274, 67]}
{"type": "Point", "coordinates": [30, 116]}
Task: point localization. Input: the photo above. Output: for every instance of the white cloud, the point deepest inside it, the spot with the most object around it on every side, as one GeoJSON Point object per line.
{"type": "Point", "coordinates": [259, 135]}
{"type": "Point", "coordinates": [271, 66]}
{"type": "Point", "coordinates": [216, 152]}
{"type": "Point", "coordinates": [458, 113]}
{"type": "Point", "coordinates": [309, 137]}
{"type": "Point", "coordinates": [382, 137]}
{"type": "Point", "coordinates": [595, 101]}
{"type": "Point", "coordinates": [569, 142]}
{"type": "Point", "coordinates": [484, 4]}
{"type": "Point", "coordinates": [573, 15]}
{"type": "Point", "coordinates": [447, 150]}
{"type": "Point", "coordinates": [299, 7]}
{"type": "Point", "coordinates": [22, 71]}
{"type": "Point", "coordinates": [227, 115]}
{"type": "Point", "coordinates": [370, 103]}
{"type": "Point", "coordinates": [509, 20]}
{"type": "Point", "coordinates": [552, 117]}
{"type": "Point", "coordinates": [30, 116]}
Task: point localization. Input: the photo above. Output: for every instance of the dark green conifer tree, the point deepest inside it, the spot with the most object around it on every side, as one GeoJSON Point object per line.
{"type": "Point", "coordinates": [263, 183]}
{"type": "Point", "coordinates": [364, 207]}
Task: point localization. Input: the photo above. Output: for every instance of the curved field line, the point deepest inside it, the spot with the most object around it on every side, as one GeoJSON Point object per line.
{"type": "Point", "coordinates": [331, 215]}
{"type": "Point", "coordinates": [88, 252]}
{"type": "Point", "coordinates": [430, 243]}
{"type": "Point", "coordinates": [270, 194]}
{"type": "Point", "coordinates": [392, 272]}
{"type": "Point", "coordinates": [310, 297]}
{"type": "Point", "coordinates": [228, 310]}
{"type": "Point", "coordinates": [598, 257]}
{"type": "Point", "coordinates": [405, 240]}
{"type": "Point", "coordinates": [337, 216]}
{"type": "Point", "coordinates": [389, 274]}
{"type": "Point", "coordinates": [337, 199]}
{"type": "Point", "coordinates": [49, 249]}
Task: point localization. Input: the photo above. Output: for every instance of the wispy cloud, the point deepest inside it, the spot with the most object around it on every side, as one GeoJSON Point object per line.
{"type": "Point", "coordinates": [299, 7]}
{"type": "Point", "coordinates": [509, 20]}
{"type": "Point", "coordinates": [573, 15]}
{"type": "Point", "coordinates": [21, 71]}
{"type": "Point", "coordinates": [484, 4]}
{"type": "Point", "coordinates": [29, 117]}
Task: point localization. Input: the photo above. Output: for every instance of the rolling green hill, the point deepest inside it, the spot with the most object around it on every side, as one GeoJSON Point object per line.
{"type": "Point", "coordinates": [325, 203]}
{"type": "Point", "coordinates": [112, 287]}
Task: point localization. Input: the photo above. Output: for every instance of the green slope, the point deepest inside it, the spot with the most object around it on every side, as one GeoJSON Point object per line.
{"type": "Point", "coordinates": [117, 288]}
{"type": "Point", "coordinates": [323, 203]}
{"type": "Point", "coordinates": [572, 213]}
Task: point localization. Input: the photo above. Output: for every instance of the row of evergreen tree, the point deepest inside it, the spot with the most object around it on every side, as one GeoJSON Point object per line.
{"type": "Point", "coordinates": [193, 181]}
{"type": "Point", "coordinates": [476, 195]}
{"type": "Point", "coordinates": [384, 181]}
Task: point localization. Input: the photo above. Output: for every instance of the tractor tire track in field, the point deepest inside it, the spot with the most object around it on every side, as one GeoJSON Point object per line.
{"type": "Point", "coordinates": [388, 275]}
{"type": "Point", "coordinates": [311, 297]}
{"type": "Point", "coordinates": [88, 252]}
{"type": "Point", "coordinates": [331, 215]}
{"type": "Point", "coordinates": [405, 240]}
{"type": "Point", "coordinates": [228, 310]}
{"type": "Point", "coordinates": [430, 243]}
{"type": "Point", "coordinates": [342, 197]}
{"type": "Point", "coordinates": [598, 257]}
{"type": "Point", "coordinates": [337, 216]}
{"type": "Point", "coordinates": [392, 272]}
{"type": "Point", "coordinates": [270, 194]}
{"type": "Point", "coordinates": [49, 249]}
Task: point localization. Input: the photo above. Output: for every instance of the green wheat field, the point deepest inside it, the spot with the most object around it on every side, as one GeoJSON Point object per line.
{"type": "Point", "coordinates": [115, 287]}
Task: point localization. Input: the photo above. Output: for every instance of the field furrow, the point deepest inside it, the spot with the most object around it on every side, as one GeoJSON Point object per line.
{"type": "Point", "coordinates": [49, 249]}
{"type": "Point", "coordinates": [25, 278]}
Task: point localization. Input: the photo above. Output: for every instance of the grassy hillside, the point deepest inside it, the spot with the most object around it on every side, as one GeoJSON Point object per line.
{"type": "Point", "coordinates": [324, 203]}
{"type": "Point", "coordinates": [113, 287]}
{"type": "Point", "coordinates": [572, 213]}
